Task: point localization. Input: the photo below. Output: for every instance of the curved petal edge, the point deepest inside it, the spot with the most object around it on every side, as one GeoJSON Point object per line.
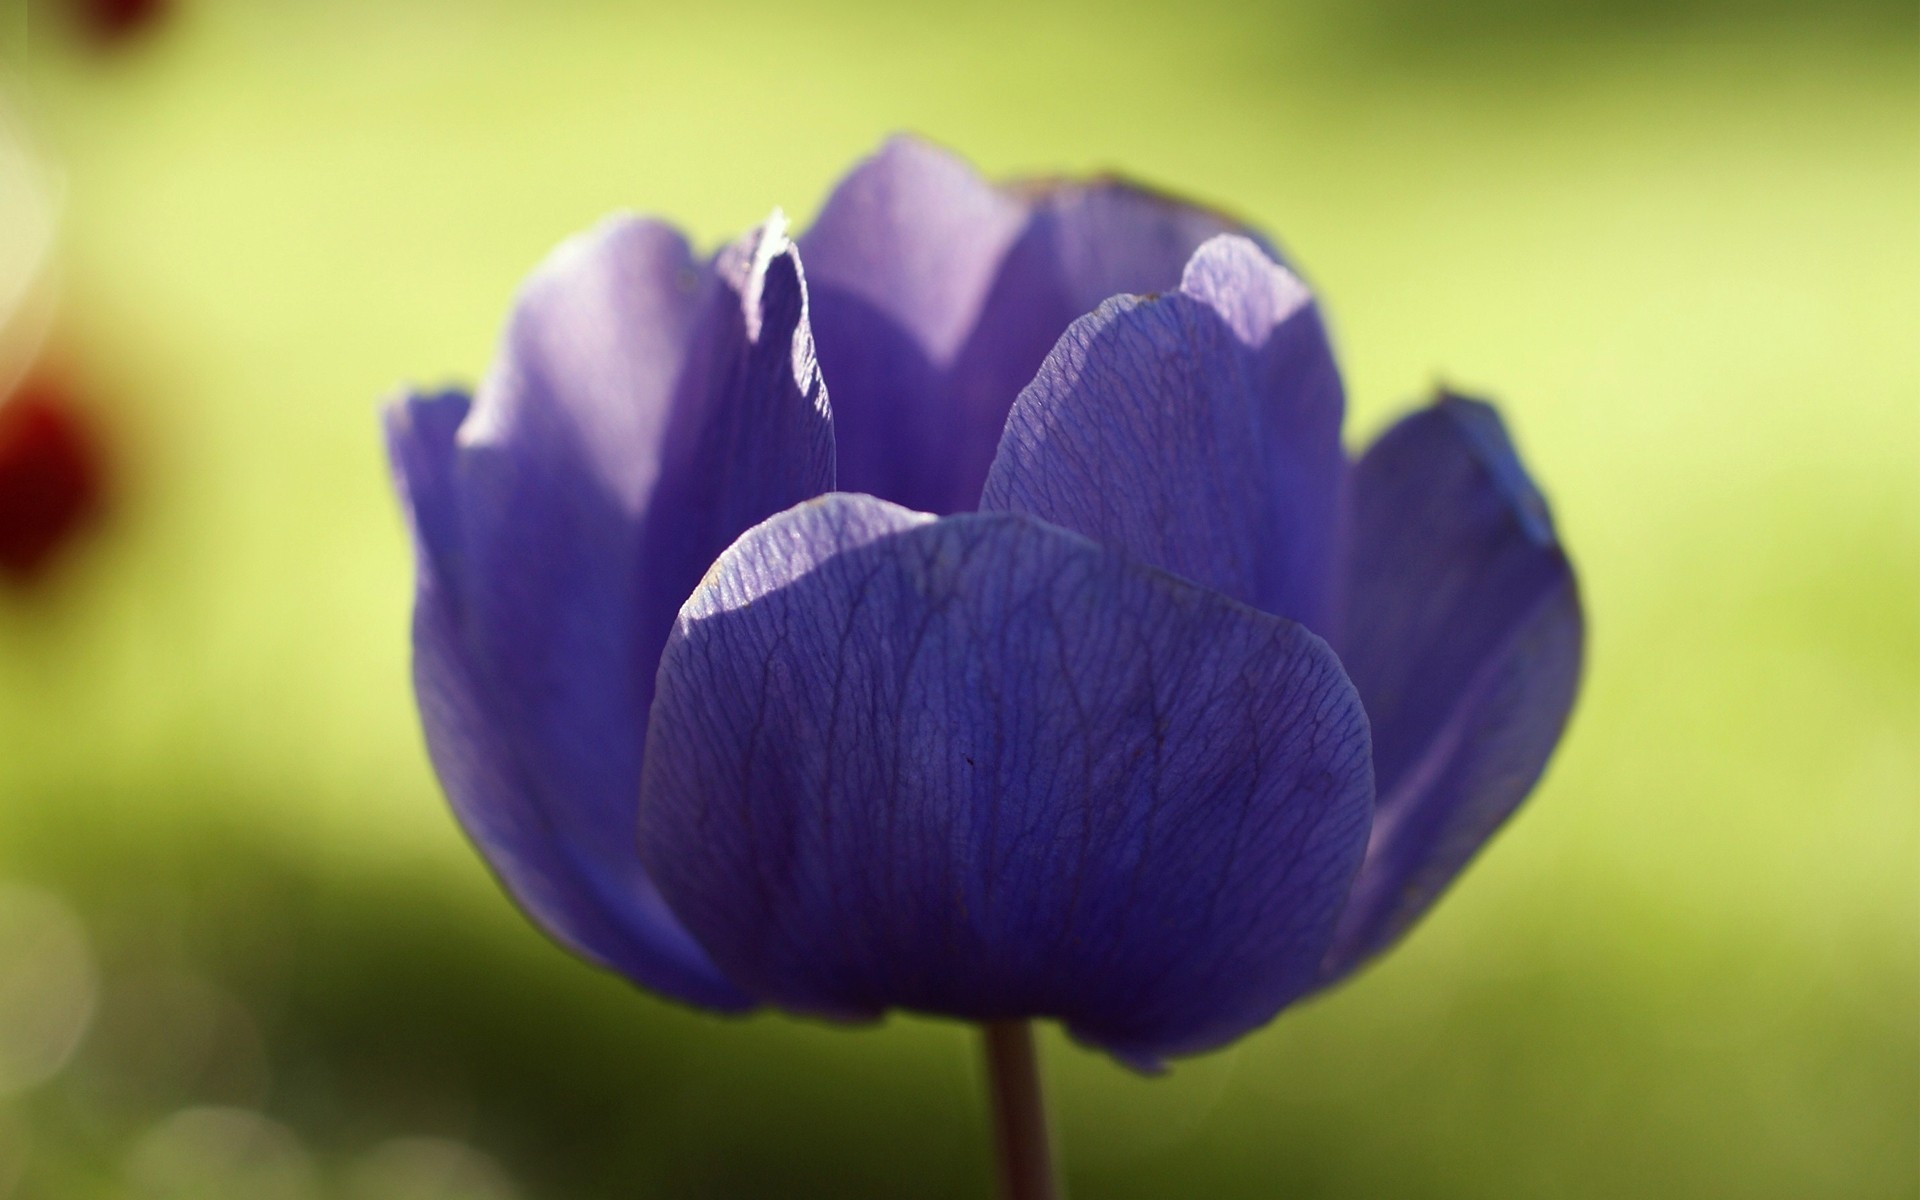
{"type": "Point", "coordinates": [645, 409]}
{"type": "Point", "coordinates": [1465, 636]}
{"type": "Point", "coordinates": [938, 294]}
{"type": "Point", "coordinates": [981, 766]}
{"type": "Point", "coordinates": [1197, 430]}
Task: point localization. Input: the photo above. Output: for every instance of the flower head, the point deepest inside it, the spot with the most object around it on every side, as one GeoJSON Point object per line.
{"type": "Point", "coordinates": [1064, 665]}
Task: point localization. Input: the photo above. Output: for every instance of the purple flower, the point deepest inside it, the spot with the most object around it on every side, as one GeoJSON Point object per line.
{"type": "Point", "coordinates": [1171, 714]}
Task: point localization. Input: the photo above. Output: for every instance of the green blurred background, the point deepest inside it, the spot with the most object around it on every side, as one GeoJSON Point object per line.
{"type": "Point", "coordinates": [245, 953]}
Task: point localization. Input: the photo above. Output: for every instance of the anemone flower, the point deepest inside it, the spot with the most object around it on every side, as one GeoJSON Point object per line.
{"type": "Point", "coordinates": [1063, 666]}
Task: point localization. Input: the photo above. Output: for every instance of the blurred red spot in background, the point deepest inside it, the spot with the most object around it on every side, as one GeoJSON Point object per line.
{"type": "Point", "coordinates": [113, 20]}
{"type": "Point", "coordinates": [50, 478]}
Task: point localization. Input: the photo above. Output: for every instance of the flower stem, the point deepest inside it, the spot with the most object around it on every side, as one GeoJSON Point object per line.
{"type": "Point", "coordinates": [1019, 1113]}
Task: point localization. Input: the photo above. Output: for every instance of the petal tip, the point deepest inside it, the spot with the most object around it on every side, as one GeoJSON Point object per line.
{"type": "Point", "coordinates": [1229, 270]}
{"type": "Point", "coordinates": [432, 410]}
{"type": "Point", "coordinates": [1238, 249]}
{"type": "Point", "coordinates": [617, 236]}
{"type": "Point", "coordinates": [1486, 435]}
{"type": "Point", "coordinates": [906, 144]}
{"type": "Point", "coordinates": [903, 154]}
{"type": "Point", "coordinates": [421, 428]}
{"type": "Point", "coordinates": [750, 261]}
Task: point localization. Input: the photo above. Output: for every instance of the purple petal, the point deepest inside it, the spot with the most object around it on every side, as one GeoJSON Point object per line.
{"type": "Point", "coordinates": [937, 295]}
{"type": "Point", "coordinates": [645, 410]}
{"type": "Point", "coordinates": [1198, 431]}
{"type": "Point", "coordinates": [1464, 635]}
{"type": "Point", "coordinates": [980, 766]}
{"type": "Point", "coordinates": [901, 260]}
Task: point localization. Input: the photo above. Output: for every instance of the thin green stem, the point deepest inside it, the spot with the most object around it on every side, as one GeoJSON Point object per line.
{"type": "Point", "coordinates": [1019, 1113]}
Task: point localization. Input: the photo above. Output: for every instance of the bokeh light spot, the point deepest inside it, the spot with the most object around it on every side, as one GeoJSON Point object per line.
{"type": "Point", "coordinates": [221, 1154]}
{"type": "Point", "coordinates": [168, 1038]}
{"type": "Point", "coordinates": [422, 1168]}
{"type": "Point", "coordinates": [48, 986]}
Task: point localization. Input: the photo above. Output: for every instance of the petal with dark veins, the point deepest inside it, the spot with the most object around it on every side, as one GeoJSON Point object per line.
{"type": "Point", "coordinates": [983, 767]}
{"type": "Point", "coordinates": [1198, 431]}
{"type": "Point", "coordinates": [937, 295]}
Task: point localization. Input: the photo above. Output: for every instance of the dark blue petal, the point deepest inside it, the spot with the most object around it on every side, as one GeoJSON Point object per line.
{"type": "Point", "coordinates": [1464, 634]}
{"type": "Point", "coordinates": [937, 295]}
{"type": "Point", "coordinates": [1198, 431]}
{"type": "Point", "coordinates": [983, 767]}
{"type": "Point", "coordinates": [645, 410]}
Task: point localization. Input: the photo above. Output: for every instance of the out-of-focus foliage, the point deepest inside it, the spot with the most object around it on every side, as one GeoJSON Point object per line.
{"type": "Point", "coordinates": [244, 952]}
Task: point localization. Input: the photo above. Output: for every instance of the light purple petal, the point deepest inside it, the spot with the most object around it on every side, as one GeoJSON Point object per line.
{"type": "Point", "coordinates": [1198, 431]}
{"type": "Point", "coordinates": [645, 410]}
{"type": "Point", "coordinates": [983, 767]}
{"type": "Point", "coordinates": [1464, 635]}
{"type": "Point", "coordinates": [901, 260]}
{"type": "Point", "coordinates": [937, 295]}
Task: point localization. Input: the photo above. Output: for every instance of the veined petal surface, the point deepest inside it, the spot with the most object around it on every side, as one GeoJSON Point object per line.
{"type": "Point", "coordinates": [1198, 431]}
{"type": "Point", "coordinates": [937, 295]}
{"type": "Point", "coordinates": [1463, 632]}
{"type": "Point", "coordinates": [645, 409]}
{"type": "Point", "coordinates": [984, 767]}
